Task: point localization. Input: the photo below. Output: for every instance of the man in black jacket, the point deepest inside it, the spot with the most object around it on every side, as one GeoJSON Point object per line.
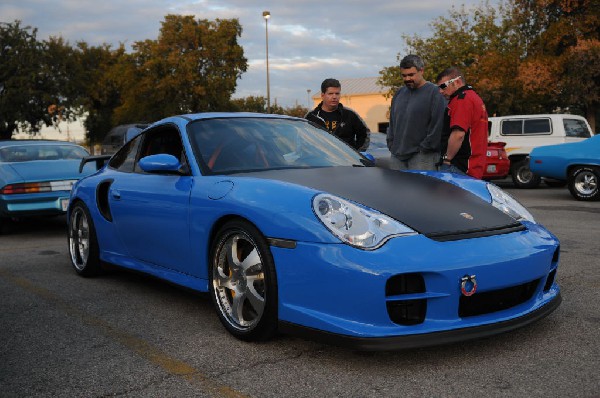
{"type": "Point", "coordinates": [342, 122]}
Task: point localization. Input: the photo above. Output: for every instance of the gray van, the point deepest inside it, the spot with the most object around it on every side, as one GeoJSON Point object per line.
{"type": "Point", "coordinates": [119, 135]}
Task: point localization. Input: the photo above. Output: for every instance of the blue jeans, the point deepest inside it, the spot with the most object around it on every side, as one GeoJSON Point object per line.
{"type": "Point", "coordinates": [419, 161]}
{"type": "Point", "coordinates": [450, 168]}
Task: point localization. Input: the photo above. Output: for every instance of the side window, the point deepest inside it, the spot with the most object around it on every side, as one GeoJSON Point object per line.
{"type": "Point", "coordinates": [512, 127]}
{"type": "Point", "coordinates": [537, 126]}
{"type": "Point", "coordinates": [164, 139]}
{"type": "Point", "coordinates": [576, 128]}
{"type": "Point", "coordinates": [124, 159]}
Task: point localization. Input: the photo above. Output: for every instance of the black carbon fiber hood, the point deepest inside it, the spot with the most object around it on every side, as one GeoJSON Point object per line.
{"type": "Point", "coordinates": [435, 208]}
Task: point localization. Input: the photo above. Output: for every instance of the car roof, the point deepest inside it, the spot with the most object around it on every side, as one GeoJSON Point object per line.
{"type": "Point", "coordinates": [541, 115]}
{"type": "Point", "coordinates": [215, 115]}
{"type": "Point", "coordinates": [8, 143]}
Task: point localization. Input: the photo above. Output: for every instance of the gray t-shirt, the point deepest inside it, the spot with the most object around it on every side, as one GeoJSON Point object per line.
{"type": "Point", "coordinates": [416, 121]}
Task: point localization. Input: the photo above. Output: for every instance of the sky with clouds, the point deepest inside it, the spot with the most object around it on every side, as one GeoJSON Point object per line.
{"type": "Point", "coordinates": [309, 40]}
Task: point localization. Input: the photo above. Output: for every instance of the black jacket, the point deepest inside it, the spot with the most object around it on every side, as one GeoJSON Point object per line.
{"type": "Point", "coordinates": [351, 128]}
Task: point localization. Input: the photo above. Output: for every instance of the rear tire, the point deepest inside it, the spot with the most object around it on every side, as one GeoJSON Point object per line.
{"type": "Point", "coordinates": [522, 175]}
{"type": "Point", "coordinates": [583, 183]}
{"type": "Point", "coordinates": [83, 244]}
{"type": "Point", "coordinates": [244, 283]}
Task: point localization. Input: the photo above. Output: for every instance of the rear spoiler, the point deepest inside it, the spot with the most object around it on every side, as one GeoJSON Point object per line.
{"type": "Point", "coordinates": [100, 161]}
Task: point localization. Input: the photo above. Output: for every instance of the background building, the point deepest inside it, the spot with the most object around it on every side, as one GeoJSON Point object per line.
{"type": "Point", "coordinates": [367, 99]}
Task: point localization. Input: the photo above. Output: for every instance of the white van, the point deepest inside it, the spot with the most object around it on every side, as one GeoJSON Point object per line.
{"type": "Point", "coordinates": [522, 133]}
{"type": "Point", "coordinates": [119, 135]}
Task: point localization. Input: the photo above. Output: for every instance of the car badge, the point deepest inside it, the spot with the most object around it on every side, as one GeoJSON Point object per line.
{"type": "Point", "coordinates": [468, 285]}
{"type": "Point", "coordinates": [467, 216]}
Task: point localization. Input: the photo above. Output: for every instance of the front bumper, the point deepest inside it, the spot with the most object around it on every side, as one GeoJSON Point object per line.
{"type": "Point", "coordinates": [421, 340]}
{"type": "Point", "coordinates": [340, 291]}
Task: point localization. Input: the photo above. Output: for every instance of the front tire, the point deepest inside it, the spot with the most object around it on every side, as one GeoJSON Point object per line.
{"type": "Point", "coordinates": [244, 283]}
{"type": "Point", "coordinates": [583, 183]}
{"type": "Point", "coordinates": [522, 175]}
{"type": "Point", "coordinates": [83, 244]}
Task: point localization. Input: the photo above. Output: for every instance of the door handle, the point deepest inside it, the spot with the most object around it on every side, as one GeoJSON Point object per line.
{"type": "Point", "coordinates": [115, 194]}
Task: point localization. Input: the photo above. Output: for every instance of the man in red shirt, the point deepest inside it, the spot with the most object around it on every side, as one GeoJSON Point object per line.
{"type": "Point", "coordinates": [465, 135]}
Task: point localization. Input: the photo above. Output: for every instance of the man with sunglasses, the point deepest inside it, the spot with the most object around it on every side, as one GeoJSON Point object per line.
{"type": "Point", "coordinates": [416, 120]}
{"type": "Point", "coordinates": [464, 139]}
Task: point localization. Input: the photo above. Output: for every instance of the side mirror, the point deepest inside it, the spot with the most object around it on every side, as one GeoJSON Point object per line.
{"type": "Point", "coordinates": [161, 163]}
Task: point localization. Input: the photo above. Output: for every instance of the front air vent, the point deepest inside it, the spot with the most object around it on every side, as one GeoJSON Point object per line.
{"type": "Point", "coordinates": [401, 309]}
{"type": "Point", "coordinates": [550, 280]}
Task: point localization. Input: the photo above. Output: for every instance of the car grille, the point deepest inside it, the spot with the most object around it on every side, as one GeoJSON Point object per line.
{"type": "Point", "coordinates": [407, 297]}
{"type": "Point", "coordinates": [496, 300]}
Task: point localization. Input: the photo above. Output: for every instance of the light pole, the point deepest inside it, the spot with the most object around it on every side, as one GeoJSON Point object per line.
{"type": "Point", "coordinates": [308, 95]}
{"type": "Point", "coordinates": [266, 16]}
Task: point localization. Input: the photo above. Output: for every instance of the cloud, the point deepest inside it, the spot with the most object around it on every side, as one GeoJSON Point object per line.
{"type": "Point", "coordinates": [309, 40]}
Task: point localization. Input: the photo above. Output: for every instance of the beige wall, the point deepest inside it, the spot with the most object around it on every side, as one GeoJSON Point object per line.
{"type": "Point", "coordinates": [373, 108]}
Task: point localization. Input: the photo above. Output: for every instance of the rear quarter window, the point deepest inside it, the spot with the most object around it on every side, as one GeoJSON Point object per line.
{"type": "Point", "coordinates": [576, 128]}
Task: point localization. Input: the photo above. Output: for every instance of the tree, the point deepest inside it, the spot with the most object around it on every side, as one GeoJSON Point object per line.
{"type": "Point", "coordinates": [527, 56]}
{"type": "Point", "coordinates": [473, 41]}
{"type": "Point", "coordinates": [34, 80]}
{"type": "Point", "coordinates": [98, 76]}
{"type": "Point", "coordinates": [562, 47]}
{"type": "Point", "coordinates": [193, 66]}
{"type": "Point", "coordinates": [256, 104]}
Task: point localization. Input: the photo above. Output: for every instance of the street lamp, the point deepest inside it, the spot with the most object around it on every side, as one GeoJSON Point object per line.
{"type": "Point", "coordinates": [266, 16]}
{"type": "Point", "coordinates": [308, 95]}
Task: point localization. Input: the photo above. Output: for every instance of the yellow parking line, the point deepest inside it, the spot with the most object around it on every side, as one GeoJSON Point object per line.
{"type": "Point", "coordinates": [141, 347]}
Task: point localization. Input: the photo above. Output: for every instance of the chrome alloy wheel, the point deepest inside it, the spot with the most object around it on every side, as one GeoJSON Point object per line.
{"type": "Point", "coordinates": [79, 238]}
{"type": "Point", "coordinates": [238, 281]}
{"type": "Point", "coordinates": [586, 183]}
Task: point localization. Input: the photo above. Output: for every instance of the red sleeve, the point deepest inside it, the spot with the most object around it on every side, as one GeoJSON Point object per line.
{"type": "Point", "coordinates": [460, 115]}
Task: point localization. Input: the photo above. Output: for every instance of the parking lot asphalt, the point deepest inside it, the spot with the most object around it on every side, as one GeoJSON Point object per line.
{"type": "Point", "coordinates": [128, 335]}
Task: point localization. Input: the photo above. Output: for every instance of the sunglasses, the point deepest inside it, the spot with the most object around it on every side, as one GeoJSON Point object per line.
{"type": "Point", "coordinates": [449, 82]}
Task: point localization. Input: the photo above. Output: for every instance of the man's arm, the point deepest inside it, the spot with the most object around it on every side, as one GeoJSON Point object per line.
{"type": "Point", "coordinates": [454, 143]}
{"type": "Point", "coordinates": [362, 133]}
{"type": "Point", "coordinates": [436, 125]}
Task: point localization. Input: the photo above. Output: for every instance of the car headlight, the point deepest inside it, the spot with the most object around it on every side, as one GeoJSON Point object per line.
{"type": "Point", "coordinates": [355, 225]}
{"type": "Point", "coordinates": [509, 205]}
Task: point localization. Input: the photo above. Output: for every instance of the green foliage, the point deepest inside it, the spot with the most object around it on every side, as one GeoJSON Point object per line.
{"type": "Point", "coordinates": [35, 85]}
{"type": "Point", "coordinates": [193, 66]}
{"type": "Point", "coordinates": [526, 56]}
{"type": "Point", "coordinates": [98, 92]}
{"type": "Point", "coordinates": [249, 104]}
{"type": "Point", "coordinates": [259, 105]}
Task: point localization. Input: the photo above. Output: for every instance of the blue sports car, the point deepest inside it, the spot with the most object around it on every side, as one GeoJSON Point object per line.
{"type": "Point", "coordinates": [36, 177]}
{"type": "Point", "coordinates": [577, 163]}
{"type": "Point", "coordinates": [289, 229]}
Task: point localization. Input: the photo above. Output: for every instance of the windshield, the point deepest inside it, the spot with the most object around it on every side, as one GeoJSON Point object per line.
{"type": "Point", "coordinates": [227, 145]}
{"type": "Point", "coordinates": [27, 153]}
